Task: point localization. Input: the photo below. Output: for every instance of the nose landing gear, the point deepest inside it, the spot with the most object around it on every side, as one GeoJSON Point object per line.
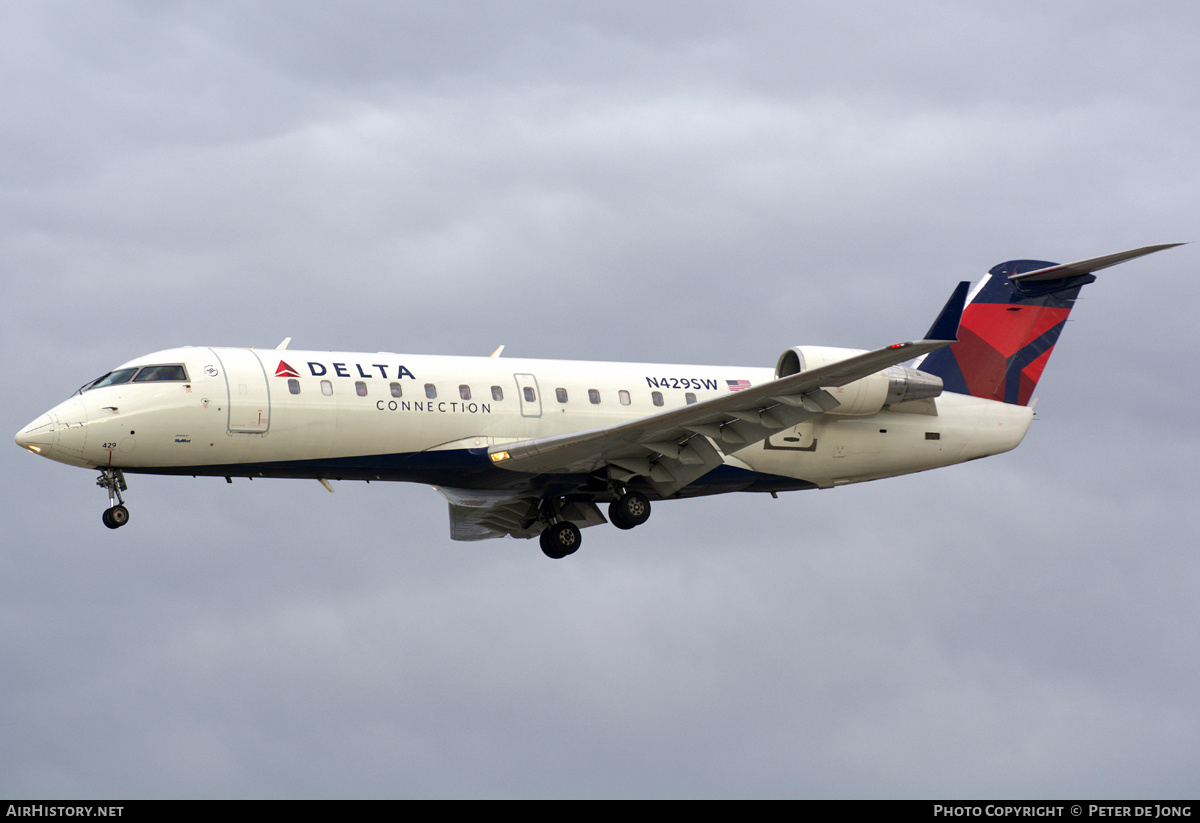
{"type": "Point", "coordinates": [116, 515]}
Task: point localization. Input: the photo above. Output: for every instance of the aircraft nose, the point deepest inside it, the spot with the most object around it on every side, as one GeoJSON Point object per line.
{"type": "Point", "coordinates": [59, 434]}
{"type": "Point", "coordinates": [38, 436]}
{"type": "Point", "coordinates": [71, 434]}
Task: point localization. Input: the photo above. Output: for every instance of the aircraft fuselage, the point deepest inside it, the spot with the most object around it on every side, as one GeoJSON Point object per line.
{"type": "Point", "coordinates": [431, 419]}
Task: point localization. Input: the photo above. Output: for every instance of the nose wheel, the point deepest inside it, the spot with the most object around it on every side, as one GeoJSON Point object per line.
{"type": "Point", "coordinates": [116, 515]}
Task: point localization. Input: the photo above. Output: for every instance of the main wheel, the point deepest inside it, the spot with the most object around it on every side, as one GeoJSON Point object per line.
{"type": "Point", "coordinates": [616, 517]}
{"type": "Point", "coordinates": [629, 510]}
{"type": "Point", "coordinates": [560, 539]}
{"type": "Point", "coordinates": [116, 517]}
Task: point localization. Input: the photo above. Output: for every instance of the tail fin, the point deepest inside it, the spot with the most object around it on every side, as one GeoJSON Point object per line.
{"type": "Point", "coordinates": [1011, 324]}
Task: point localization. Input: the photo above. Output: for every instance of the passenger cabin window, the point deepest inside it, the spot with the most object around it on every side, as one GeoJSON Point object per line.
{"type": "Point", "coordinates": [326, 388]}
{"type": "Point", "coordinates": [361, 388]}
{"type": "Point", "coordinates": [690, 397]}
{"type": "Point", "coordinates": [430, 391]}
{"type": "Point", "coordinates": [154, 374]}
{"type": "Point", "coordinates": [624, 395]}
{"type": "Point", "coordinates": [497, 393]}
{"type": "Point", "coordinates": [594, 396]}
{"type": "Point", "coordinates": [656, 396]}
{"type": "Point", "coordinates": [529, 395]}
{"type": "Point", "coordinates": [293, 385]}
{"type": "Point", "coordinates": [464, 392]}
{"type": "Point", "coordinates": [561, 394]}
{"type": "Point", "coordinates": [396, 390]}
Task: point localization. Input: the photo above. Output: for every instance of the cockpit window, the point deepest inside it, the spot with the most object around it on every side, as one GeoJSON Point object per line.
{"type": "Point", "coordinates": [151, 374]}
{"type": "Point", "coordinates": [113, 378]}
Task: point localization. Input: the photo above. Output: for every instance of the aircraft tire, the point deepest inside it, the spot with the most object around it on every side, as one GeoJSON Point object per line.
{"type": "Point", "coordinates": [116, 517]}
{"type": "Point", "coordinates": [616, 517]}
{"type": "Point", "coordinates": [629, 510]}
{"type": "Point", "coordinates": [560, 539]}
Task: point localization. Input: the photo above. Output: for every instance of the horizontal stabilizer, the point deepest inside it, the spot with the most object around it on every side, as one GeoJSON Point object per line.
{"type": "Point", "coordinates": [1065, 270]}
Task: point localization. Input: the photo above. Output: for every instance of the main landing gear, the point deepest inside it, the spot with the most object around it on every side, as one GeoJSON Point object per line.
{"type": "Point", "coordinates": [116, 515]}
{"type": "Point", "coordinates": [560, 537]}
{"type": "Point", "coordinates": [629, 510]}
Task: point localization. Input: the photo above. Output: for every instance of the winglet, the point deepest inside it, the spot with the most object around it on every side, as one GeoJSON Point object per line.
{"type": "Point", "coordinates": [946, 325]}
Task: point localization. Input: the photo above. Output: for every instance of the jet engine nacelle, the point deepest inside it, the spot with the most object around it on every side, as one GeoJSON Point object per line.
{"type": "Point", "coordinates": [867, 396]}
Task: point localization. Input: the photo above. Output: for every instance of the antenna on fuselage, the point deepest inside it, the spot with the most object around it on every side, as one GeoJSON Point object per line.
{"type": "Point", "coordinates": [496, 353]}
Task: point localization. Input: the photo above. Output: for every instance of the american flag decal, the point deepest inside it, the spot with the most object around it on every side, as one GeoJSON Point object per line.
{"type": "Point", "coordinates": [737, 385]}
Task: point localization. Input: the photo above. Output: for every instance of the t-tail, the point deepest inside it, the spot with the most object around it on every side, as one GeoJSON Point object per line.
{"type": "Point", "coordinates": [1011, 323]}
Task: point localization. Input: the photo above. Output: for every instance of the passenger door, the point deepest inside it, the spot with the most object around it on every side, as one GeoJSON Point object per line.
{"type": "Point", "coordinates": [249, 394]}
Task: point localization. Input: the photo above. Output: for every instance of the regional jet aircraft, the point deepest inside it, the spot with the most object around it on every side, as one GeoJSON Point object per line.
{"type": "Point", "coordinates": [531, 448]}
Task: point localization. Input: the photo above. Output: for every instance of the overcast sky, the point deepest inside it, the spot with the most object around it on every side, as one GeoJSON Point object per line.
{"type": "Point", "coordinates": [667, 182]}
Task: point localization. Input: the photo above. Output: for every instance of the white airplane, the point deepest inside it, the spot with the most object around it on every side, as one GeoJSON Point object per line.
{"type": "Point", "coordinates": [532, 447]}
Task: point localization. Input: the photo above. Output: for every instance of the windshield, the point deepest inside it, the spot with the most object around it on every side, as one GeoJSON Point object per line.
{"type": "Point", "coordinates": [154, 373]}
{"type": "Point", "coordinates": [110, 379]}
{"type": "Point", "coordinates": [148, 374]}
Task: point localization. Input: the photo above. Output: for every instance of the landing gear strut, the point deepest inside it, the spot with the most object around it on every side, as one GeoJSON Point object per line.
{"type": "Point", "coordinates": [116, 515]}
{"type": "Point", "coordinates": [629, 510]}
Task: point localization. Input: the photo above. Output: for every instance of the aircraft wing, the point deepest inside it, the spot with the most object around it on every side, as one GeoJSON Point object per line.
{"type": "Point", "coordinates": [675, 447]}
{"type": "Point", "coordinates": [482, 515]}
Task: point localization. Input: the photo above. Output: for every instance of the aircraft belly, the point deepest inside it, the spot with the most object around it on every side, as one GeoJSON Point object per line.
{"type": "Point", "coordinates": [470, 469]}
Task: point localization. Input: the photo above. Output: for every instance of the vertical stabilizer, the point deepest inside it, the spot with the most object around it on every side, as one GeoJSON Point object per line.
{"type": "Point", "coordinates": [1011, 324]}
